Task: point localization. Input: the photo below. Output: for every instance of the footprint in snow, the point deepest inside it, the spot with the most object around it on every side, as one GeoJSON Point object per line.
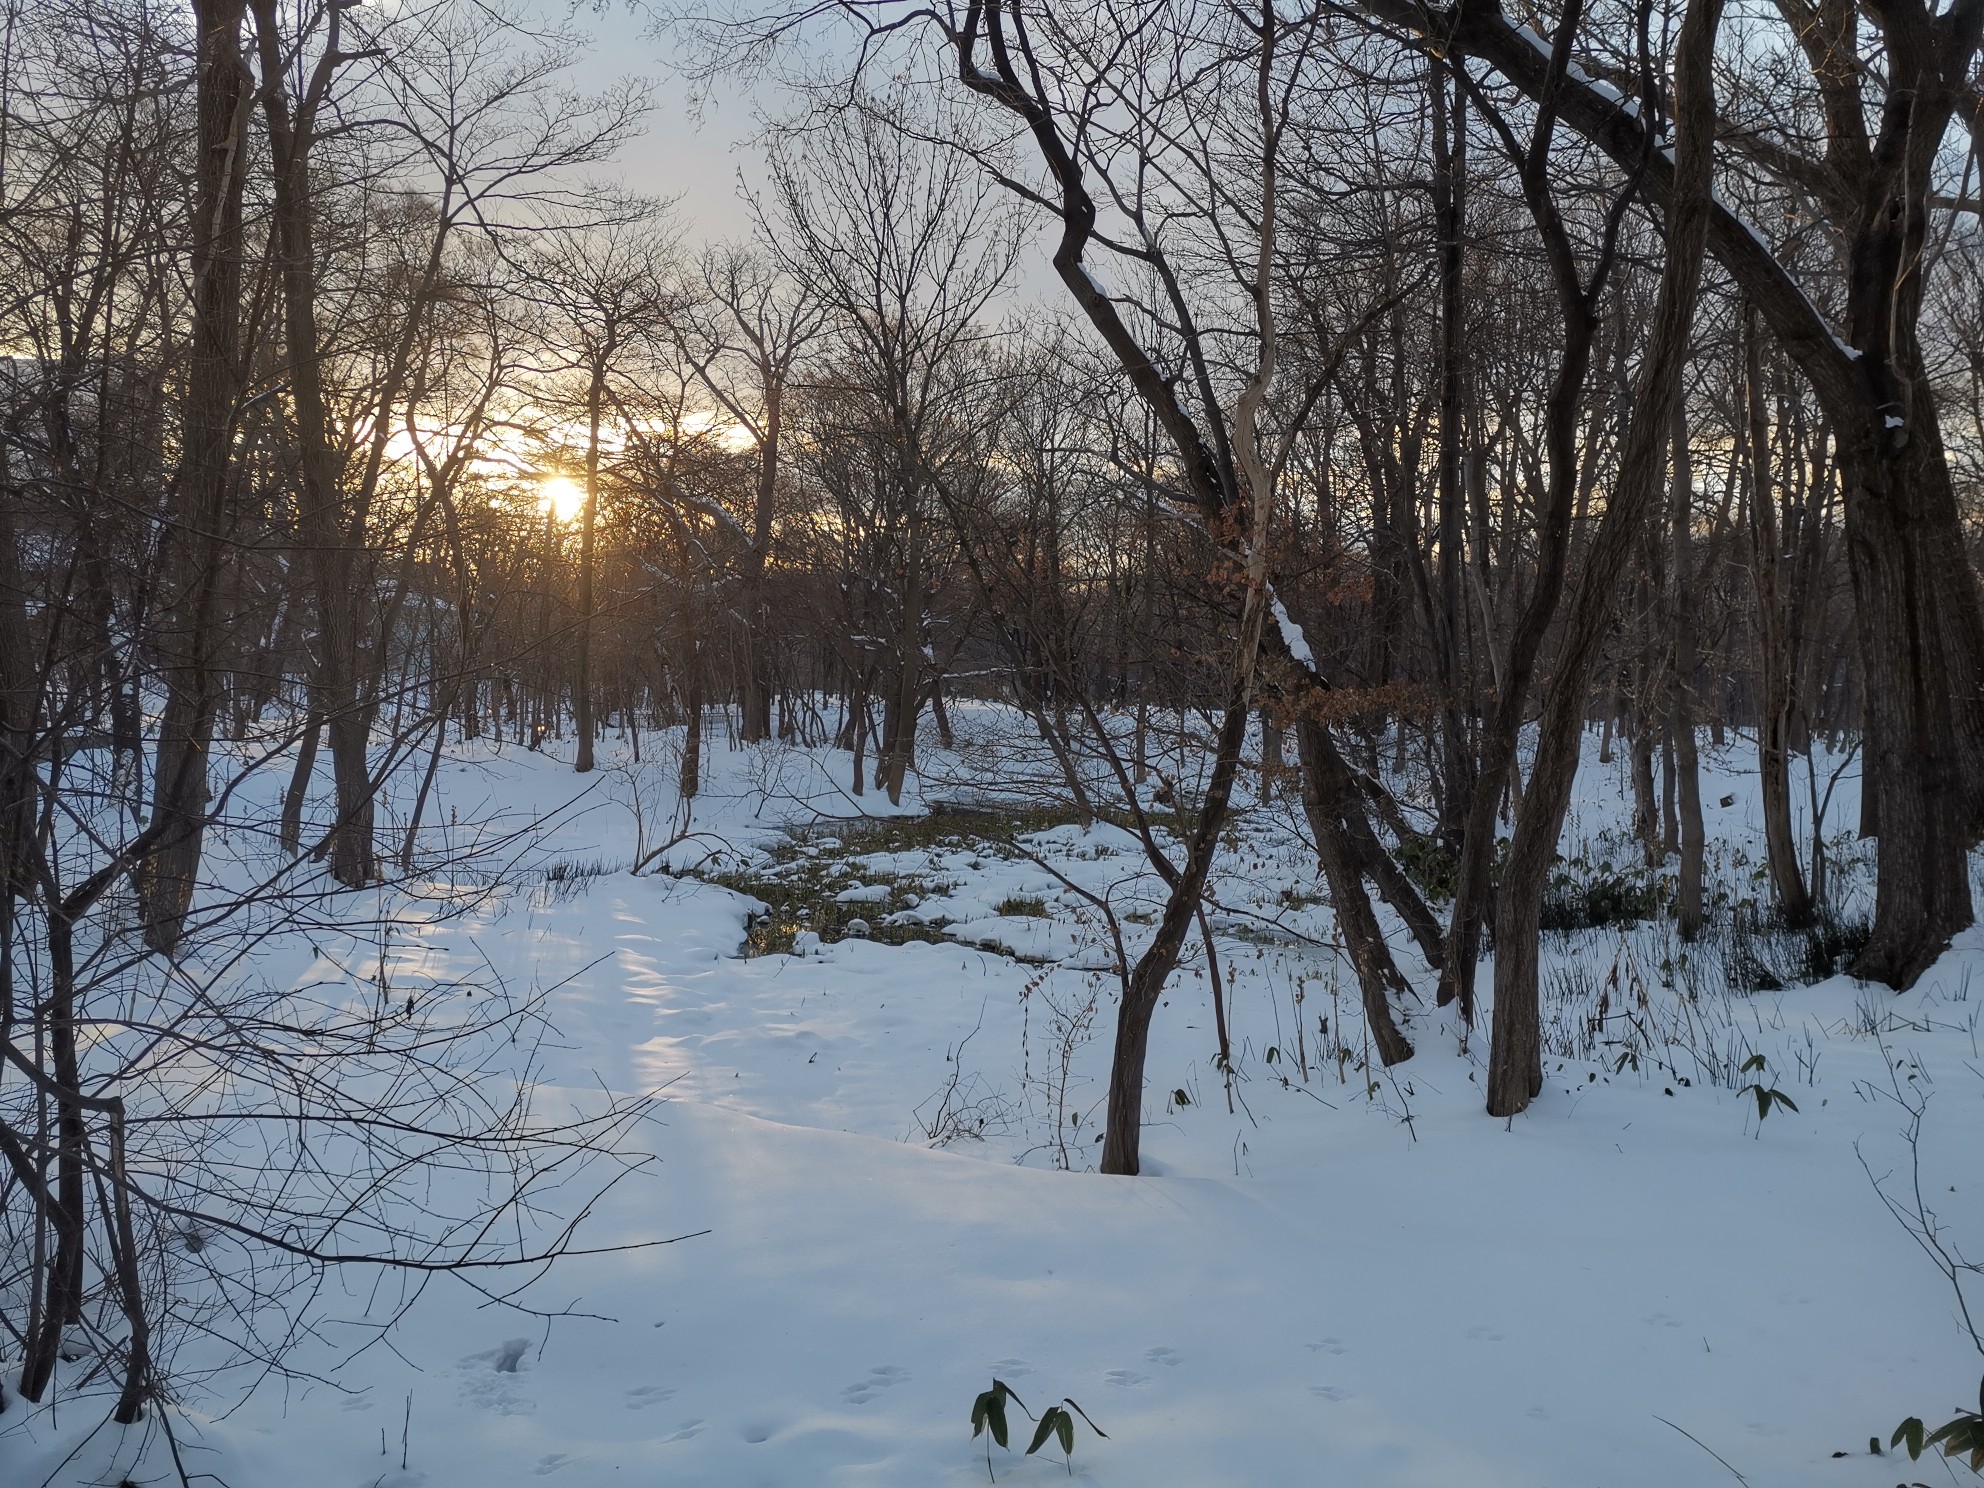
{"type": "Point", "coordinates": [755, 1431]}
{"type": "Point", "coordinates": [880, 1378]}
{"type": "Point", "coordinates": [495, 1378]}
{"type": "Point", "coordinates": [1329, 1392]}
{"type": "Point", "coordinates": [642, 1396]}
{"type": "Point", "coordinates": [1011, 1368]}
{"type": "Point", "coordinates": [1328, 1346]}
{"type": "Point", "coordinates": [548, 1465]}
{"type": "Point", "coordinates": [687, 1429]}
{"type": "Point", "coordinates": [1662, 1320]}
{"type": "Point", "coordinates": [1164, 1354]}
{"type": "Point", "coordinates": [1125, 1378]}
{"type": "Point", "coordinates": [1482, 1333]}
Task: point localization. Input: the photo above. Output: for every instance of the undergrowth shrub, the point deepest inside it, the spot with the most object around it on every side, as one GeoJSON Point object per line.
{"type": "Point", "coordinates": [1760, 953]}
{"type": "Point", "coordinates": [1590, 895]}
{"type": "Point", "coordinates": [1433, 868]}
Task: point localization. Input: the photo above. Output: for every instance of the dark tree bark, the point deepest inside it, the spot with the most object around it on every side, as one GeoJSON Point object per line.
{"type": "Point", "coordinates": [1688, 907]}
{"type": "Point", "coordinates": [1515, 1061]}
{"type": "Point", "coordinates": [1577, 301]}
{"type": "Point", "coordinates": [1920, 625]}
{"type": "Point", "coordinates": [201, 488]}
{"type": "Point", "coordinates": [1450, 213]}
{"type": "Point", "coordinates": [331, 548]}
{"type": "Point", "coordinates": [1794, 904]}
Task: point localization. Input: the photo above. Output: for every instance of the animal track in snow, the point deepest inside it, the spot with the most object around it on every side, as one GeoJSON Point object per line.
{"type": "Point", "coordinates": [643, 1396]}
{"type": "Point", "coordinates": [1164, 1354]}
{"type": "Point", "coordinates": [1661, 1320]}
{"type": "Point", "coordinates": [494, 1379]}
{"type": "Point", "coordinates": [549, 1464]}
{"type": "Point", "coordinates": [689, 1428]}
{"type": "Point", "coordinates": [1329, 1392]}
{"type": "Point", "coordinates": [1125, 1378]}
{"type": "Point", "coordinates": [1328, 1346]}
{"type": "Point", "coordinates": [880, 1378]}
{"type": "Point", "coordinates": [1482, 1333]}
{"type": "Point", "coordinates": [1013, 1367]}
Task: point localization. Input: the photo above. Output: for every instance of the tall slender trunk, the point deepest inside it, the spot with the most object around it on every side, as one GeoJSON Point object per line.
{"type": "Point", "coordinates": [1688, 907]}
{"type": "Point", "coordinates": [320, 516]}
{"type": "Point", "coordinates": [1449, 207]}
{"type": "Point", "coordinates": [63, 1301]}
{"type": "Point", "coordinates": [1794, 904]}
{"type": "Point", "coordinates": [757, 702]}
{"type": "Point", "coordinates": [582, 709]}
{"type": "Point", "coordinates": [193, 541]}
{"type": "Point", "coordinates": [905, 702]}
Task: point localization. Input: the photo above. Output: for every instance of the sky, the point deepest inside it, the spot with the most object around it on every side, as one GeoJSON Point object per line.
{"type": "Point", "coordinates": [690, 154]}
{"type": "Point", "coordinates": [702, 139]}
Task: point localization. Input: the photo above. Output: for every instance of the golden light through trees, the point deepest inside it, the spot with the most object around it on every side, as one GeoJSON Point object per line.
{"type": "Point", "coordinates": [562, 496]}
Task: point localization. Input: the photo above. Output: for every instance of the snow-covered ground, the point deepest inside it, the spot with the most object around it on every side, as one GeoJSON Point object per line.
{"type": "Point", "coordinates": [1351, 1276]}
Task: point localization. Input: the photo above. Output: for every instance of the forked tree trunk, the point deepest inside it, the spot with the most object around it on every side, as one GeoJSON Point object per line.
{"type": "Point", "coordinates": [1515, 1061]}
{"type": "Point", "coordinates": [1122, 1140]}
{"type": "Point", "coordinates": [332, 549]}
{"type": "Point", "coordinates": [1497, 776]}
{"type": "Point", "coordinates": [1324, 784]}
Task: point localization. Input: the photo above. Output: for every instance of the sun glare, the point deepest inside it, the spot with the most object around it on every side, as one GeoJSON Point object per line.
{"type": "Point", "coordinates": [565, 497]}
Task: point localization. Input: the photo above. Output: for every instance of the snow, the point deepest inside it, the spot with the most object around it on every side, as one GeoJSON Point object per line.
{"type": "Point", "coordinates": [1298, 643]}
{"type": "Point", "coordinates": [1354, 1277]}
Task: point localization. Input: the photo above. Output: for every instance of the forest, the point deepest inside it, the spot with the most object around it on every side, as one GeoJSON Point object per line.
{"type": "Point", "coordinates": [1285, 696]}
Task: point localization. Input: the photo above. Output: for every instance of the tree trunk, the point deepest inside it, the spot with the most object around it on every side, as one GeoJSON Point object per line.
{"type": "Point", "coordinates": [1794, 905]}
{"type": "Point", "coordinates": [1449, 207]}
{"type": "Point", "coordinates": [1324, 782]}
{"type": "Point", "coordinates": [1515, 1062]}
{"type": "Point", "coordinates": [582, 707]}
{"type": "Point", "coordinates": [757, 702]}
{"type": "Point", "coordinates": [1688, 908]}
{"type": "Point", "coordinates": [1917, 760]}
{"type": "Point", "coordinates": [298, 791]}
{"type": "Point", "coordinates": [320, 515]}
{"type": "Point", "coordinates": [905, 702]}
{"type": "Point", "coordinates": [1122, 1141]}
{"type": "Point", "coordinates": [194, 541]}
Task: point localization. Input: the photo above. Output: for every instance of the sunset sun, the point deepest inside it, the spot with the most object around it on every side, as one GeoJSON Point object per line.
{"type": "Point", "coordinates": [564, 497]}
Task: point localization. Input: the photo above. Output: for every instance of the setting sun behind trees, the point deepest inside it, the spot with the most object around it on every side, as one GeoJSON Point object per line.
{"type": "Point", "coordinates": [562, 496]}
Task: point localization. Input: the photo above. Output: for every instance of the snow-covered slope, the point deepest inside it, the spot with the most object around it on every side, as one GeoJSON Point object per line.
{"type": "Point", "coordinates": [1354, 1277]}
